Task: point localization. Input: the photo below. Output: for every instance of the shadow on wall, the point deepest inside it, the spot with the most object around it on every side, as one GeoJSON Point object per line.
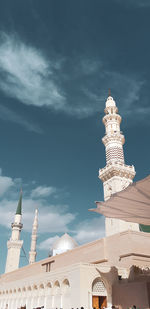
{"type": "Point", "coordinates": [134, 290]}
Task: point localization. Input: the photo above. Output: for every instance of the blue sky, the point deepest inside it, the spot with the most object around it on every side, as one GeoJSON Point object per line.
{"type": "Point", "coordinates": [57, 61]}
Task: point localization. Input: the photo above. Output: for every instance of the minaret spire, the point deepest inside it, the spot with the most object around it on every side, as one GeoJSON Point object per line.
{"type": "Point", "coordinates": [116, 175]}
{"type": "Point", "coordinates": [32, 253]}
{"type": "Point", "coordinates": [14, 245]}
{"type": "Point", "coordinates": [19, 207]}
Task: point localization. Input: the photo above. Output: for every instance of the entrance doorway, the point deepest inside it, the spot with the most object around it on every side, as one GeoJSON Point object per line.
{"type": "Point", "coordinates": [99, 302]}
{"type": "Point", "coordinates": [99, 294]}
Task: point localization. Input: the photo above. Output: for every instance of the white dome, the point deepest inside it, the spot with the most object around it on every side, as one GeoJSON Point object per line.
{"type": "Point", "coordinates": [63, 244]}
{"type": "Point", "coordinates": [110, 102]}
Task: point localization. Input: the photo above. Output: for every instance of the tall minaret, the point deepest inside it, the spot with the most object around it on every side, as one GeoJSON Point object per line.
{"type": "Point", "coordinates": [32, 253]}
{"type": "Point", "coordinates": [14, 245]}
{"type": "Point", "coordinates": [115, 176]}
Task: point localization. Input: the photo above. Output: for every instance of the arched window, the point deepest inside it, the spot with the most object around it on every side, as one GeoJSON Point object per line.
{"type": "Point", "coordinates": [56, 287]}
{"type": "Point", "coordinates": [65, 286]}
{"type": "Point", "coordinates": [48, 285]}
{"type": "Point", "coordinates": [57, 284]}
{"type": "Point", "coordinates": [98, 287]}
{"type": "Point", "coordinates": [41, 286]}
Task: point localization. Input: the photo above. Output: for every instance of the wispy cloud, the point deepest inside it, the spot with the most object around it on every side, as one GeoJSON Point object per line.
{"type": "Point", "coordinates": [52, 218]}
{"type": "Point", "coordinates": [48, 243]}
{"type": "Point", "coordinates": [135, 3]}
{"type": "Point", "coordinates": [90, 230]}
{"type": "Point", "coordinates": [5, 183]}
{"type": "Point", "coordinates": [77, 86]}
{"type": "Point", "coordinates": [86, 231]}
{"type": "Point", "coordinates": [89, 66]}
{"type": "Point", "coordinates": [125, 88]}
{"type": "Point", "coordinates": [42, 191]}
{"type": "Point", "coordinates": [9, 115]}
{"type": "Point", "coordinates": [27, 74]}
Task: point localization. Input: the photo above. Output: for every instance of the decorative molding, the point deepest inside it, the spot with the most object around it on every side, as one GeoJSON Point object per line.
{"type": "Point", "coordinates": [116, 169]}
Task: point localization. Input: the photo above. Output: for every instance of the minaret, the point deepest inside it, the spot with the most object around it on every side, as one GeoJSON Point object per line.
{"type": "Point", "coordinates": [14, 245]}
{"type": "Point", "coordinates": [116, 175]}
{"type": "Point", "coordinates": [32, 253]}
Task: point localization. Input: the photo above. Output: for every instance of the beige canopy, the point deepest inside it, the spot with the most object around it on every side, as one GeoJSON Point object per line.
{"type": "Point", "coordinates": [131, 204]}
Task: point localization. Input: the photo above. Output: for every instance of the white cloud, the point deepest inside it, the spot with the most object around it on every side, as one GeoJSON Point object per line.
{"type": "Point", "coordinates": [42, 191]}
{"type": "Point", "coordinates": [127, 91]}
{"type": "Point", "coordinates": [48, 243]}
{"type": "Point", "coordinates": [52, 218]}
{"type": "Point", "coordinates": [54, 221]}
{"type": "Point", "coordinates": [86, 231]}
{"type": "Point", "coordinates": [29, 76]}
{"type": "Point", "coordinates": [5, 183]}
{"type": "Point", "coordinates": [90, 230]}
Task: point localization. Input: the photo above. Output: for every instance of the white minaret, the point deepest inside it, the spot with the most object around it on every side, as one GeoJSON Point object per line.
{"type": "Point", "coordinates": [115, 176]}
{"type": "Point", "coordinates": [32, 253]}
{"type": "Point", "coordinates": [14, 245]}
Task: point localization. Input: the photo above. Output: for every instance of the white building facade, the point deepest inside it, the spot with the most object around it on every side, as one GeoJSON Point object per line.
{"type": "Point", "coordinates": [65, 292]}
{"type": "Point", "coordinates": [77, 276]}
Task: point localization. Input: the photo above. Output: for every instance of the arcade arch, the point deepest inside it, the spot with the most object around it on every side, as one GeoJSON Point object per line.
{"type": "Point", "coordinates": [65, 290]}
{"type": "Point", "coordinates": [56, 295]}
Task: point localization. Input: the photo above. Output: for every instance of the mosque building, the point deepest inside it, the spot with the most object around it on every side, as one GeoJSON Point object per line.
{"type": "Point", "coordinates": [108, 271]}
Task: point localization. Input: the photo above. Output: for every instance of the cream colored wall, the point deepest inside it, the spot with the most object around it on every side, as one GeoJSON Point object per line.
{"type": "Point", "coordinates": [106, 250]}
{"type": "Point", "coordinates": [13, 255]}
{"type": "Point", "coordinates": [51, 290]}
{"type": "Point", "coordinates": [88, 273]}
{"type": "Point", "coordinates": [128, 248]}
{"type": "Point", "coordinates": [112, 226]}
{"type": "Point", "coordinates": [48, 289]}
{"type": "Point", "coordinates": [80, 267]}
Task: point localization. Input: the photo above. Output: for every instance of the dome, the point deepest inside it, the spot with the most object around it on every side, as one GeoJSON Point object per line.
{"type": "Point", "coordinates": [63, 244]}
{"type": "Point", "coordinates": [110, 102]}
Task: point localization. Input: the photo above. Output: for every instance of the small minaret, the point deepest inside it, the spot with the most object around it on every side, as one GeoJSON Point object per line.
{"type": "Point", "coordinates": [116, 175]}
{"type": "Point", "coordinates": [14, 245]}
{"type": "Point", "coordinates": [32, 253]}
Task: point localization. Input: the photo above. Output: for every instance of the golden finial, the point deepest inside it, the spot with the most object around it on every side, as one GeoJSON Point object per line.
{"type": "Point", "coordinates": [109, 92]}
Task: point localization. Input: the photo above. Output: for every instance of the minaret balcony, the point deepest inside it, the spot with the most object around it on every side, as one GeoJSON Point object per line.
{"type": "Point", "coordinates": [17, 225]}
{"type": "Point", "coordinates": [112, 117]}
{"type": "Point", "coordinates": [116, 169]}
{"type": "Point", "coordinates": [114, 136]}
{"type": "Point", "coordinates": [17, 244]}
